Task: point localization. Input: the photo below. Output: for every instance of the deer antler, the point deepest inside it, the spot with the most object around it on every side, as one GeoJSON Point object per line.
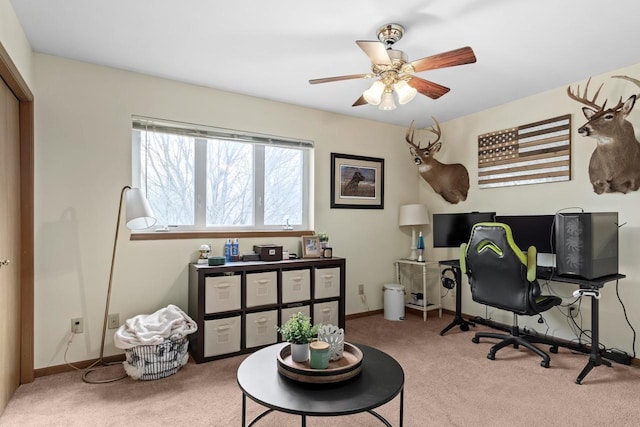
{"type": "Point", "coordinates": [630, 79]}
{"type": "Point", "coordinates": [410, 134]}
{"type": "Point", "coordinates": [583, 98]}
{"type": "Point", "coordinates": [435, 131]}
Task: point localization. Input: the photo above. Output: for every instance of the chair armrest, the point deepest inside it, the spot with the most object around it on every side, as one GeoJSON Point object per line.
{"type": "Point", "coordinates": [463, 258]}
{"type": "Point", "coordinates": [532, 262]}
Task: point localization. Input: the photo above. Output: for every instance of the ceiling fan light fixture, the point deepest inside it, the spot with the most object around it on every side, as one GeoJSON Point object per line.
{"type": "Point", "coordinates": [405, 92]}
{"type": "Point", "coordinates": [373, 95]}
{"type": "Point", "coordinates": [387, 103]}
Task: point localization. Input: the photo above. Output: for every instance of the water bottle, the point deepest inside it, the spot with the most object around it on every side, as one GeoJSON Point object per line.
{"type": "Point", "coordinates": [235, 250]}
{"type": "Point", "coordinates": [227, 250]}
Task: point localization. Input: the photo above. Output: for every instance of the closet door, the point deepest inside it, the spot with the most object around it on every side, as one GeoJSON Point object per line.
{"type": "Point", "coordinates": [9, 244]}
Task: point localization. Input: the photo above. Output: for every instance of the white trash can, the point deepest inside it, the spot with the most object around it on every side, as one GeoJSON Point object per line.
{"type": "Point", "coordinates": [393, 301]}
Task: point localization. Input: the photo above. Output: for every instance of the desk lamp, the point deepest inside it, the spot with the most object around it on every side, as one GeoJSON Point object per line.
{"type": "Point", "coordinates": [139, 215]}
{"type": "Point", "coordinates": [412, 215]}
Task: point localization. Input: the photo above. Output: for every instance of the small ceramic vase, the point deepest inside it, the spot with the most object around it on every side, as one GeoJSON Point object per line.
{"type": "Point", "coordinates": [300, 352]}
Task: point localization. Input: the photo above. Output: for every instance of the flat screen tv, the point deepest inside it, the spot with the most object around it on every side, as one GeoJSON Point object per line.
{"type": "Point", "coordinates": [450, 230]}
{"type": "Point", "coordinates": [531, 230]}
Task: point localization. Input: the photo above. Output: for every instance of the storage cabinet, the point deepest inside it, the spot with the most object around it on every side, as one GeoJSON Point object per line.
{"type": "Point", "coordinates": [237, 306]}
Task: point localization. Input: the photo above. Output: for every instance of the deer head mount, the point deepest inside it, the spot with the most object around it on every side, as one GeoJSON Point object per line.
{"type": "Point", "coordinates": [451, 181]}
{"type": "Point", "coordinates": [615, 162]}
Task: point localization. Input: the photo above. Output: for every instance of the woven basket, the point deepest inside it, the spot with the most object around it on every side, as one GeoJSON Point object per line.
{"type": "Point", "coordinates": [152, 362]}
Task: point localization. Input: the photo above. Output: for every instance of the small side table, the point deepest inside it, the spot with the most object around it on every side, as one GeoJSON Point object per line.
{"type": "Point", "coordinates": [426, 266]}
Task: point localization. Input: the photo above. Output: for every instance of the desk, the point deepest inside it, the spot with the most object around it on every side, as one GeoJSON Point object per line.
{"type": "Point", "coordinates": [595, 358]}
{"type": "Point", "coordinates": [458, 320]}
{"type": "Point", "coordinates": [428, 303]}
{"type": "Point", "coordinates": [380, 380]}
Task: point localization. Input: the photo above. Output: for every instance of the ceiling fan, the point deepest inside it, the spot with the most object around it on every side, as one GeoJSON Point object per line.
{"type": "Point", "coordinates": [395, 74]}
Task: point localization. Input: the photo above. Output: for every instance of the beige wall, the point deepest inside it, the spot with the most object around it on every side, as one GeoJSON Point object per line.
{"type": "Point", "coordinates": [460, 145]}
{"type": "Point", "coordinates": [83, 158]}
{"type": "Point", "coordinates": [15, 42]}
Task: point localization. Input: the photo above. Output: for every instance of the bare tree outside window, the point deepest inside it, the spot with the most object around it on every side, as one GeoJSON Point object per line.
{"type": "Point", "coordinates": [283, 189]}
{"type": "Point", "coordinates": [201, 178]}
{"type": "Point", "coordinates": [229, 183]}
{"type": "Point", "coordinates": [168, 162]}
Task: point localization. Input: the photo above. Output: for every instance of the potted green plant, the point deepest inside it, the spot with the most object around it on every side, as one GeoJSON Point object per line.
{"type": "Point", "coordinates": [324, 238]}
{"type": "Point", "coordinates": [299, 332]}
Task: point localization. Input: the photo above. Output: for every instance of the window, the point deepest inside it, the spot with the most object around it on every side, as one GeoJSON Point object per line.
{"type": "Point", "coordinates": [200, 178]}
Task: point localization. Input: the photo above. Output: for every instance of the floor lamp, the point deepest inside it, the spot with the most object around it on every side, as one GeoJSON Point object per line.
{"type": "Point", "coordinates": [138, 215]}
{"type": "Point", "coordinates": [412, 215]}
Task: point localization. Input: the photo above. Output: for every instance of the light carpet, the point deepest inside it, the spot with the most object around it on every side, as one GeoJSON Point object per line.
{"type": "Point", "coordinates": [448, 382]}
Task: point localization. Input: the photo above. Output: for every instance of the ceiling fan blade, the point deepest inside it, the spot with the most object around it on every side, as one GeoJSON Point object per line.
{"type": "Point", "coordinates": [338, 78]}
{"type": "Point", "coordinates": [461, 56]}
{"type": "Point", "coordinates": [427, 88]}
{"type": "Point", "coordinates": [360, 101]}
{"type": "Point", "coordinates": [375, 51]}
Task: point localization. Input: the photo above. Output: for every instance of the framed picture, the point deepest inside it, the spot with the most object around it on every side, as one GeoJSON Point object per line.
{"type": "Point", "coordinates": [357, 182]}
{"type": "Point", "coordinates": [311, 247]}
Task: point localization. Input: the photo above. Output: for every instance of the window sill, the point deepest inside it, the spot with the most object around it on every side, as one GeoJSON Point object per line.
{"type": "Point", "coordinates": [173, 235]}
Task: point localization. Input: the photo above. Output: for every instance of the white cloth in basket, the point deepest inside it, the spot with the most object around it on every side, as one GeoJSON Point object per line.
{"type": "Point", "coordinates": [154, 329]}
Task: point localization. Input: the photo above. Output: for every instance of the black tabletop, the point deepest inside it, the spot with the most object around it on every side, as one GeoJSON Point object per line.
{"type": "Point", "coordinates": [380, 380]}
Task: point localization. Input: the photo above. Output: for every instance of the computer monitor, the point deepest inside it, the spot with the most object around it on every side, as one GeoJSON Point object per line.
{"type": "Point", "coordinates": [531, 230]}
{"type": "Point", "coordinates": [450, 230]}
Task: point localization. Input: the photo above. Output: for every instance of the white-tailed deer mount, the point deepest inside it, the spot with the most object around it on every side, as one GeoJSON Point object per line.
{"type": "Point", "coordinates": [615, 163]}
{"type": "Point", "coordinates": [449, 181]}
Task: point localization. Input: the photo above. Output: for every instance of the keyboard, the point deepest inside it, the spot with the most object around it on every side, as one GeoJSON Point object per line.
{"type": "Point", "coordinates": [544, 272]}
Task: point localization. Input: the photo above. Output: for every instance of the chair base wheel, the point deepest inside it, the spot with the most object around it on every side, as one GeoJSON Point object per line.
{"type": "Point", "coordinates": [554, 349]}
{"type": "Point", "coordinates": [544, 363]}
{"type": "Point", "coordinates": [491, 356]}
{"type": "Point", "coordinates": [475, 340]}
{"type": "Point", "coordinates": [464, 327]}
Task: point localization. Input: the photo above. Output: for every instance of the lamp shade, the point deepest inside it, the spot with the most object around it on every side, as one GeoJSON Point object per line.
{"type": "Point", "coordinates": [405, 92]}
{"type": "Point", "coordinates": [374, 93]}
{"type": "Point", "coordinates": [139, 213]}
{"type": "Point", "coordinates": [387, 103]}
{"type": "Point", "coordinates": [415, 214]}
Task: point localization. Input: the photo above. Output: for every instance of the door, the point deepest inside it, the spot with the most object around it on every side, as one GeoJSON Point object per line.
{"type": "Point", "coordinates": [9, 244]}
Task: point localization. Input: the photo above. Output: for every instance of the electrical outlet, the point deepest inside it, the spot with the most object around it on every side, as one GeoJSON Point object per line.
{"type": "Point", "coordinates": [360, 289]}
{"type": "Point", "coordinates": [77, 325]}
{"type": "Point", "coordinates": [113, 321]}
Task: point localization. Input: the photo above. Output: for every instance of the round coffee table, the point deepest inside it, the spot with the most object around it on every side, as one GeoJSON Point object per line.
{"type": "Point", "coordinates": [380, 380]}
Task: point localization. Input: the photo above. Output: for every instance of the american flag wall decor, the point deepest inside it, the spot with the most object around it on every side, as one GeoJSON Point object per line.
{"type": "Point", "coordinates": [535, 153]}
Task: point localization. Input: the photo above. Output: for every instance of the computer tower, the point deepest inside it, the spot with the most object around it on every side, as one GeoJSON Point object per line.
{"type": "Point", "coordinates": [586, 244]}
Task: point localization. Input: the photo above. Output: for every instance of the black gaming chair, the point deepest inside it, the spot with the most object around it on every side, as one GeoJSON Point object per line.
{"type": "Point", "coordinates": [502, 276]}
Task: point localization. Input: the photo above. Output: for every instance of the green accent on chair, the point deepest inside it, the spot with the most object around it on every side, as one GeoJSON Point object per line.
{"type": "Point", "coordinates": [463, 259]}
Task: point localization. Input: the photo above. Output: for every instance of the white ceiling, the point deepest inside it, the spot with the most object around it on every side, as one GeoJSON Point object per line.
{"type": "Point", "coordinates": [270, 49]}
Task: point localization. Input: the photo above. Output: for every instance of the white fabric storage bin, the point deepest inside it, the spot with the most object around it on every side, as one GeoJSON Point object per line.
{"type": "Point", "coordinates": [327, 284]}
{"type": "Point", "coordinates": [286, 313]}
{"type": "Point", "coordinates": [326, 313]}
{"type": "Point", "coordinates": [222, 336]}
{"type": "Point", "coordinates": [222, 293]}
{"type": "Point", "coordinates": [296, 285]}
{"type": "Point", "coordinates": [261, 328]}
{"type": "Point", "coordinates": [262, 288]}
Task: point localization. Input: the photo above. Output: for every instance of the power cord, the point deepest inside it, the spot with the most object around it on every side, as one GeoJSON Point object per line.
{"type": "Point", "coordinates": [363, 297]}
{"type": "Point", "coordinates": [624, 310]}
{"type": "Point", "coordinates": [69, 341]}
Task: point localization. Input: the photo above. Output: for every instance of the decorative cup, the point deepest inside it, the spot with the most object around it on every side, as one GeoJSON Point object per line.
{"type": "Point", "coordinates": [319, 355]}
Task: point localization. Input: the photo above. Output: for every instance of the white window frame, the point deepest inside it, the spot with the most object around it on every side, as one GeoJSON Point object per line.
{"type": "Point", "coordinates": [201, 134]}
